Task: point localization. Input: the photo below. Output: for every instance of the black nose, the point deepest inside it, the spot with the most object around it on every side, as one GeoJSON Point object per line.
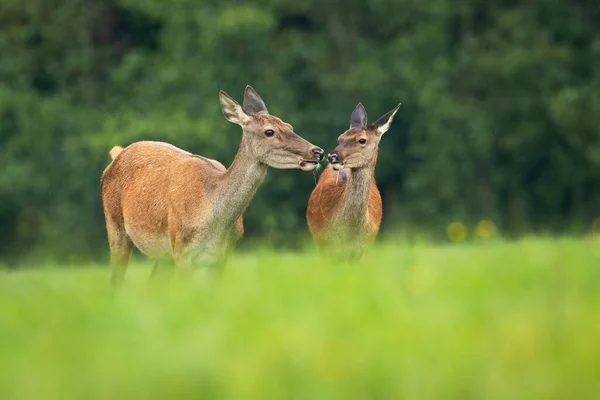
{"type": "Point", "coordinates": [332, 157]}
{"type": "Point", "coordinates": [319, 153]}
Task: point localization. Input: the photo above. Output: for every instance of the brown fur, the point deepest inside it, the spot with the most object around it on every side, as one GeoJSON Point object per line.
{"type": "Point", "coordinates": [324, 202]}
{"type": "Point", "coordinates": [177, 206]}
{"type": "Point", "coordinates": [345, 209]}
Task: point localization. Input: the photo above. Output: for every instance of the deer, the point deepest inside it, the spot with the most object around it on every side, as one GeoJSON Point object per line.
{"type": "Point", "coordinates": [186, 210]}
{"type": "Point", "coordinates": [345, 208]}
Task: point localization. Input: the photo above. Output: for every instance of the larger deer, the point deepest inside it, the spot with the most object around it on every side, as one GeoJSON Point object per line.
{"type": "Point", "coordinates": [177, 206]}
{"type": "Point", "coordinates": [344, 210]}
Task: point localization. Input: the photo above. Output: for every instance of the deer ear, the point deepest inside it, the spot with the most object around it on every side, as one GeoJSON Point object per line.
{"type": "Point", "coordinates": [253, 104]}
{"type": "Point", "coordinates": [232, 110]}
{"type": "Point", "coordinates": [358, 119]}
{"type": "Point", "coordinates": [383, 123]}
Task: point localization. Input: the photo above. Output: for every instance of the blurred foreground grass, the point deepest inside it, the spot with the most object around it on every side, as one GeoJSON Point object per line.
{"type": "Point", "coordinates": [493, 321]}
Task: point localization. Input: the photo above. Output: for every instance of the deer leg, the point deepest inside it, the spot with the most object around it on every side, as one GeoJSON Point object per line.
{"type": "Point", "coordinates": [181, 247]}
{"type": "Point", "coordinates": [188, 256]}
{"type": "Point", "coordinates": [155, 268]}
{"type": "Point", "coordinates": [120, 251]}
{"type": "Point", "coordinates": [208, 260]}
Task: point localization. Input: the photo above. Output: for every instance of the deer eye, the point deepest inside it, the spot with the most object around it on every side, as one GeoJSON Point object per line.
{"type": "Point", "coordinates": [269, 132]}
{"type": "Point", "coordinates": [362, 141]}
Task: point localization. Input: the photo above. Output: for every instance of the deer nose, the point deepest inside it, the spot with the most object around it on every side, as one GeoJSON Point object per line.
{"type": "Point", "coordinates": [332, 157]}
{"type": "Point", "coordinates": [319, 153]}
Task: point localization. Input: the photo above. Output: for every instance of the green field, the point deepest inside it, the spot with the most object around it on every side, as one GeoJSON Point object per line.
{"type": "Point", "coordinates": [468, 321]}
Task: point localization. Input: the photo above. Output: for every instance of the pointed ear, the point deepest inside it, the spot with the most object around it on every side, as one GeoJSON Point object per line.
{"type": "Point", "coordinates": [232, 110]}
{"type": "Point", "coordinates": [358, 119]}
{"type": "Point", "coordinates": [253, 104]}
{"type": "Point", "coordinates": [383, 123]}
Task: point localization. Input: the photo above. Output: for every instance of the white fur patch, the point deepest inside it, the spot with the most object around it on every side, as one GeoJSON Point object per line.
{"type": "Point", "coordinates": [151, 244]}
{"type": "Point", "coordinates": [384, 128]}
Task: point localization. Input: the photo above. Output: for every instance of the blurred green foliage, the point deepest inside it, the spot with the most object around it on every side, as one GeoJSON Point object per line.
{"type": "Point", "coordinates": [498, 321]}
{"type": "Point", "coordinates": [499, 117]}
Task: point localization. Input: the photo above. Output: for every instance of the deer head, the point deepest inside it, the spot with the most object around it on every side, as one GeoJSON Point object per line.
{"type": "Point", "coordinates": [358, 146]}
{"type": "Point", "coordinates": [266, 137]}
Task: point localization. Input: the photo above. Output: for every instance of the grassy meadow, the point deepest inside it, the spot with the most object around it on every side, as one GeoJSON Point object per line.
{"type": "Point", "coordinates": [489, 320]}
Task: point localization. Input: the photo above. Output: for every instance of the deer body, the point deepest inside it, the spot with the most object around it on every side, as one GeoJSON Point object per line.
{"type": "Point", "coordinates": [345, 209]}
{"type": "Point", "coordinates": [177, 206]}
{"type": "Point", "coordinates": [143, 190]}
{"type": "Point", "coordinates": [345, 200]}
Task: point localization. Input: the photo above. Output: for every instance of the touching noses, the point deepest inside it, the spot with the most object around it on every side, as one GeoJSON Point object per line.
{"type": "Point", "coordinates": [333, 157]}
{"type": "Point", "coordinates": [319, 153]}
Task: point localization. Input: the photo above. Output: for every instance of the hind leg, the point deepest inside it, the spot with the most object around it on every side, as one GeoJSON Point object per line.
{"type": "Point", "coordinates": [120, 251]}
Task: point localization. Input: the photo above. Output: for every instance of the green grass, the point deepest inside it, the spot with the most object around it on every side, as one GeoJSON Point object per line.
{"type": "Point", "coordinates": [471, 321]}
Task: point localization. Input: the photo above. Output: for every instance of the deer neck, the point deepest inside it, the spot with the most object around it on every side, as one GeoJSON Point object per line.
{"type": "Point", "coordinates": [356, 201]}
{"type": "Point", "coordinates": [239, 185]}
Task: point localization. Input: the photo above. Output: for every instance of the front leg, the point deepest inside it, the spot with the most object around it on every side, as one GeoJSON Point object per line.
{"type": "Point", "coordinates": [206, 247]}
{"type": "Point", "coordinates": [190, 259]}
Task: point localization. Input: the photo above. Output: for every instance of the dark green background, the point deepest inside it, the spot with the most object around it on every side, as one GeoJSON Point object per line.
{"type": "Point", "coordinates": [499, 119]}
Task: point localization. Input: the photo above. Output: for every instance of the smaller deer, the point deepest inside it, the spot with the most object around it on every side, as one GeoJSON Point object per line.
{"type": "Point", "coordinates": [344, 210]}
{"type": "Point", "coordinates": [177, 206]}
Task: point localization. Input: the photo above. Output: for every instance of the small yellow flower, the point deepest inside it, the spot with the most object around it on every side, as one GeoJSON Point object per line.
{"type": "Point", "coordinates": [457, 231]}
{"type": "Point", "coordinates": [485, 229]}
